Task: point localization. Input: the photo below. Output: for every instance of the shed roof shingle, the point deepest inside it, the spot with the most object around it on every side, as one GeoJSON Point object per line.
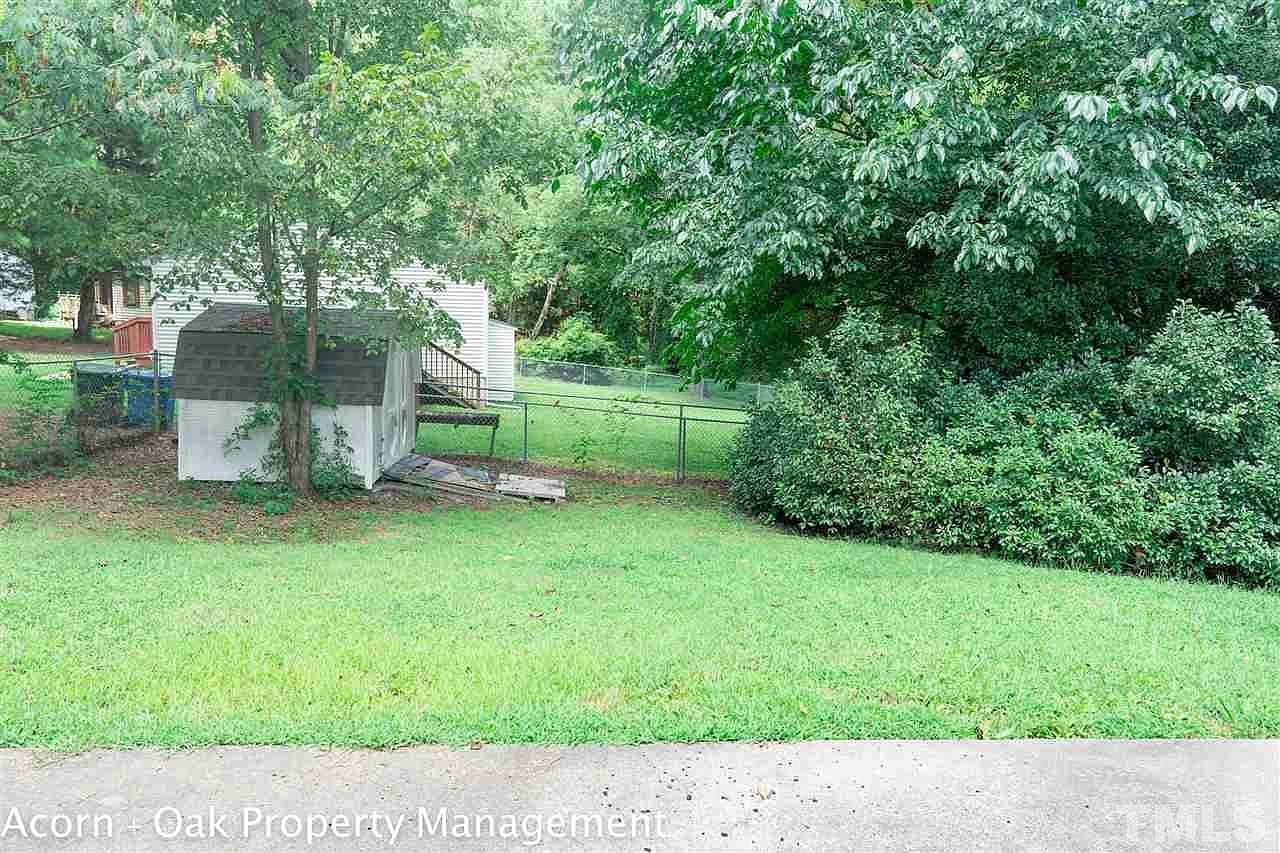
{"type": "Point", "coordinates": [222, 355]}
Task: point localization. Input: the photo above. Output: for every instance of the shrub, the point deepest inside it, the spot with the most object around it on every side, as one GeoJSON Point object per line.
{"type": "Point", "coordinates": [819, 452]}
{"type": "Point", "coordinates": [1090, 387]}
{"type": "Point", "coordinates": [1169, 465]}
{"type": "Point", "coordinates": [332, 474]}
{"type": "Point", "coordinates": [1222, 524]}
{"type": "Point", "coordinates": [1206, 391]}
{"type": "Point", "coordinates": [1049, 488]}
{"type": "Point", "coordinates": [575, 340]}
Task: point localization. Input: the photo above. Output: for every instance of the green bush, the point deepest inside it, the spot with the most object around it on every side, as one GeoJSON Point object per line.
{"type": "Point", "coordinates": [1169, 465]}
{"type": "Point", "coordinates": [1207, 389]}
{"type": "Point", "coordinates": [575, 340]}
{"type": "Point", "coordinates": [1048, 488]}
{"type": "Point", "coordinates": [1091, 388]}
{"type": "Point", "coordinates": [1222, 524]}
{"type": "Point", "coordinates": [818, 453]}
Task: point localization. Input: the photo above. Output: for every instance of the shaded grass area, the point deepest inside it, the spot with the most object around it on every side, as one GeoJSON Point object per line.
{"type": "Point", "coordinates": [631, 614]}
{"type": "Point", "coordinates": [659, 387]}
{"type": "Point", "coordinates": [619, 429]}
{"type": "Point", "coordinates": [44, 331]}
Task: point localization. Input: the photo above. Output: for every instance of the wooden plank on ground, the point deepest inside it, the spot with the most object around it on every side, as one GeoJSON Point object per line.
{"type": "Point", "coordinates": [538, 488]}
{"type": "Point", "coordinates": [418, 470]}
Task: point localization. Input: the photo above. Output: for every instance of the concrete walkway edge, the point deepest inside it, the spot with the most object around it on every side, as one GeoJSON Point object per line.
{"type": "Point", "coordinates": [847, 795]}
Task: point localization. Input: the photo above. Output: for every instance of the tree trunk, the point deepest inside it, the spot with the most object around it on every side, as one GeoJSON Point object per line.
{"type": "Point", "coordinates": [86, 312]}
{"type": "Point", "coordinates": [546, 303]}
{"type": "Point", "coordinates": [295, 411]}
{"type": "Point", "coordinates": [42, 295]}
{"type": "Point", "coordinates": [301, 471]}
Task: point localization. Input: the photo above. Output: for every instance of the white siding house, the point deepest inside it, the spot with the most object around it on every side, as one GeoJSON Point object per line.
{"type": "Point", "coordinates": [129, 302]}
{"type": "Point", "coordinates": [502, 360]}
{"type": "Point", "coordinates": [467, 304]}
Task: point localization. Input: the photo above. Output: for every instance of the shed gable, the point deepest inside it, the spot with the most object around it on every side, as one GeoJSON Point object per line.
{"type": "Point", "coordinates": [216, 360]}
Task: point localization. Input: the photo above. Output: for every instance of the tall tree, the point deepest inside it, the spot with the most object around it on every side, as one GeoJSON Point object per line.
{"type": "Point", "coordinates": [82, 83]}
{"type": "Point", "coordinates": [1017, 177]}
{"type": "Point", "coordinates": [326, 151]}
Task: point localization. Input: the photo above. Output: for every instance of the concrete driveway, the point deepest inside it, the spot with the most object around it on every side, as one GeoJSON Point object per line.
{"type": "Point", "coordinates": [848, 795]}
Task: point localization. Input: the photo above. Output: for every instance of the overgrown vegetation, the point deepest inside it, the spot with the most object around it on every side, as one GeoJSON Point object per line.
{"type": "Point", "coordinates": [1167, 464]}
{"type": "Point", "coordinates": [264, 484]}
{"type": "Point", "coordinates": [575, 341]}
{"type": "Point", "coordinates": [43, 429]}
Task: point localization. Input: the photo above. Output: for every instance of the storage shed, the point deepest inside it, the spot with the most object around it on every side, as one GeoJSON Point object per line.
{"type": "Point", "coordinates": [220, 374]}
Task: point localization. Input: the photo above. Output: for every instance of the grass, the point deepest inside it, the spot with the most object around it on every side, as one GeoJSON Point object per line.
{"type": "Point", "coordinates": [627, 429]}
{"type": "Point", "coordinates": [19, 329]}
{"type": "Point", "coordinates": [629, 615]}
{"type": "Point", "coordinates": [57, 374]}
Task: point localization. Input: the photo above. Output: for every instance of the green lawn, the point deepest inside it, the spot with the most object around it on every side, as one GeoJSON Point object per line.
{"type": "Point", "coordinates": [19, 329]}
{"type": "Point", "coordinates": [628, 430]}
{"type": "Point", "coordinates": [627, 615]}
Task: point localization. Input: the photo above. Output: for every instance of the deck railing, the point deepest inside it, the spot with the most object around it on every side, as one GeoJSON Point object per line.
{"type": "Point", "coordinates": [452, 376]}
{"type": "Point", "coordinates": [131, 336]}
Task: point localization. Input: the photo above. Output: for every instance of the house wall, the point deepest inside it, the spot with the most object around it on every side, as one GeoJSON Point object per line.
{"type": "Point", "coordinates": [468, 304]}
{"type": "Point", "coordinates": [121, 312]}
{"type": "Point", "coordinates": [205, 425]}
{"type": "Point", "coordinates": [502, 360]}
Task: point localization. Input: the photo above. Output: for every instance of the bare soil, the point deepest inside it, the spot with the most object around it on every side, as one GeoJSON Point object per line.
{"type": "Point", "coordinates": [46, 345]}
{"type": "Point", "coordinates": [135, 486]}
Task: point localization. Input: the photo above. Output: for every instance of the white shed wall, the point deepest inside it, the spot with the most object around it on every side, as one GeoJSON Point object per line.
{"type": "Point", "coordinates": [502, 360]}
{"type": "Point", "coordinates": [204, 425]}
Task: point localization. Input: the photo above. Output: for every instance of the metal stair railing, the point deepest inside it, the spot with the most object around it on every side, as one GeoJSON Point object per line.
{"type": "Point", "coordinates": [448, 380]}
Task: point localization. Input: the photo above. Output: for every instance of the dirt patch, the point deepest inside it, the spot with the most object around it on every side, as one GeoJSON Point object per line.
{"type": "Point", "coordinates": [48, 345]}
{"type": "Point", "coordinates": [135, 487]}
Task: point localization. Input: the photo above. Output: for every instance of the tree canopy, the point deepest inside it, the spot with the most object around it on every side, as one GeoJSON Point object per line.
{"type": "Point", "coordinates": [1024, 180]}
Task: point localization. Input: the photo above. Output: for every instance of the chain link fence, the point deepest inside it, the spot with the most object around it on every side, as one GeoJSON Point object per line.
{"type": "Point", "coordinates": [540, 374]}
{"type": "Point", "coordinates": [625, 433]}
{"type": "Point", "coordinates": [52, 410]}
{"type": "Point", "coordinates": [617, 420]}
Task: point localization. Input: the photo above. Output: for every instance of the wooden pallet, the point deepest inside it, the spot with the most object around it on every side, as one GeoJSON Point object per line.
{"type": "Point", "coordinates": [460, 480]}
{"type": "Point", "coordinates": [420, 470]}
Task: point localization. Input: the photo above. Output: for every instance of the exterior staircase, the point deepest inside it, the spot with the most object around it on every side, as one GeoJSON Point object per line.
{"type": "Point", "coordinates": [449, 381]}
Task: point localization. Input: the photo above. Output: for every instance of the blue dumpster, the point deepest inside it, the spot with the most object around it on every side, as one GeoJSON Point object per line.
{"type": "Point", "coordinates": [139, 389]}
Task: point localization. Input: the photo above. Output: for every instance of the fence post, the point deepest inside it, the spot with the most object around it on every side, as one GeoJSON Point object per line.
{"type": "Point", "coordinates": [526, 430]}
{"type": "Point", "coordinates": [584, 374]}
{"type": "Point", "coordinates": [644, 380]}
{"type": "Point", "coordinates": [155, 391]}
{"type": "Point", "coordinates": [680, 435]}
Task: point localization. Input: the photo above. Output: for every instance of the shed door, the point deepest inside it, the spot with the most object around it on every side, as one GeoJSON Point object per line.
{"type": "Point", "coordinates": [393, 406]}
